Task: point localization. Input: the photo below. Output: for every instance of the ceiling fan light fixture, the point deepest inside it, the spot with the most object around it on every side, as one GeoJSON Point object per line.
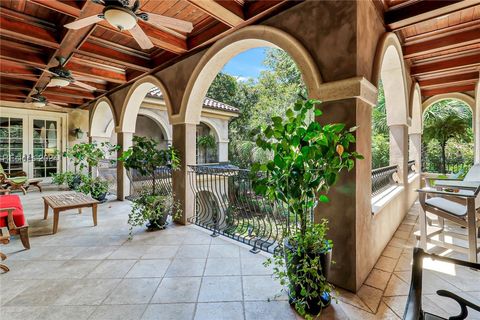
{"type": "Point", "coordinates": [121, 18]}
{"type": "Point", "coordinates": [39, 104]}
{"type": "Point", "coordinates": [58, 82]}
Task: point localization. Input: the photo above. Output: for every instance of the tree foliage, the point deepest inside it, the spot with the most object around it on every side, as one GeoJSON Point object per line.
{"type": "Point", "coordinates": [277, 88]}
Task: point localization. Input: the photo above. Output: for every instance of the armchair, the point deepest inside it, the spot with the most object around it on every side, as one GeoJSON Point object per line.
{"type": "Point", "coordinates": [454, 201]}
{"type": "Point", "coordinates": [14, 181]}
{"type": "Point", "coordinates": [13, 218]}
{"type": "Point", "coordinates": [413, 309]}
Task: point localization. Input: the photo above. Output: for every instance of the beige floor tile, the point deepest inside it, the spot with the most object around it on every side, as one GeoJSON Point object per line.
{"type": "Point", "coordinates": [190, 251]}
{"type": "Point", "coordinates": [272, 310]}
{"type": "Point", "coordinates": [119, 312]}
{"type": "Point", "coordinates": [396, 287]}
{"type": "Point", "coordinates": [173, 311]}
{"type": "Point", "coordinates": [215, 289]}
{"type": "Point", "coordinates": [67, 312]}
{"type": "Point", "coordinates": [133, 291]}
{"type": "Point", "coordinates": [219, 311]}
{"type": "Point", "coordinates": [223, 267]}
{"type": "Point", "coordinates": [180, 289]}
{"type": "Point", "coordinates": [160, 252]}
{"type": "Point", "coordinates": [87, 292]}
{"type": "Point", "coordinates": [386, 264]}
{"type": "Point", "coordinates": [392, 252]}
{"type": "Point", "coordinates": [149, 268]}
{"type": "Point", "coordinates": [378, 279]}
{"type": "Point", "coordinates": [112, 269]}
{"type": "Point", "coordinates": [261, 288]}
{"type": "Point", "coordinates": [186, 268]}
{"type": "Point", "coordinates": [370, 296]}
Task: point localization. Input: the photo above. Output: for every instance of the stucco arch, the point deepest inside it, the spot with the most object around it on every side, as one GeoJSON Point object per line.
{"type": "Point", "coordinates": [389, 67]}
{"type": "Point", "coordinates": [158, 120]}
{"type": "Point", "coordinates": [465, 98]}
{"type": "Point", "coordinates": [225, 49]}
{"type": "Point", "coordinates": [133, 100]}
{"type": "Point", "coordinates": [213, 128]}
{"type": "Point", "coordinates": [101, 117]}
{"type": "Point", "coordinates": [416, 107]}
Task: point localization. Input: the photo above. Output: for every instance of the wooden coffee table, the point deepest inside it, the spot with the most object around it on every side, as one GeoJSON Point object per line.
{"type": "Point", "coordinates": [68, 201]}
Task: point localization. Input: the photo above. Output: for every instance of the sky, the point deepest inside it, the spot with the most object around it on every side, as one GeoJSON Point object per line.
{"type": "Point", "coordinates": [247, 64]}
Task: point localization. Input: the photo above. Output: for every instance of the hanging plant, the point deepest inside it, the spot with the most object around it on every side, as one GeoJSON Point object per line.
{"type": "Point", "coordinates": [207, 142]}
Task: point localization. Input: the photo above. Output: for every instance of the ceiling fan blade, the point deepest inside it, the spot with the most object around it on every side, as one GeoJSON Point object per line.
{"type": "Point", "coordinates": [83, 22]}
{"type": "Point", "coordinates": [46, 70]}
{"type": "Point", "coordinates": [140, 36]}
{"type": "Point", "coordinates": [172, 23]}
{"type": "Point", "coordinates": [84, 85]}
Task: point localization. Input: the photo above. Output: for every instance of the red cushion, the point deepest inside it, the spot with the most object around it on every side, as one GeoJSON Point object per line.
{"type": "Point", "coordinates": [11, 201]}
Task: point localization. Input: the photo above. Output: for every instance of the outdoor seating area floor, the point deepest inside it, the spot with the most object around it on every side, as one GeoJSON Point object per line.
{"type": "Point", "coordinates": [86, 272]}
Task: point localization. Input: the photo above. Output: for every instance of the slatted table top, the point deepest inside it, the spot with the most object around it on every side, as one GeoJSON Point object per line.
{"type": "Point", "coordinates": [66, 200]}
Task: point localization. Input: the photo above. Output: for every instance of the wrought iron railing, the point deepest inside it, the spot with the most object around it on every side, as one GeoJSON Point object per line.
{"type": "Point", "coordinates": [411, 167]}
{"type": "Point", "coordinates": [383, 178]}
{"type": "Point", "coordinates": [143, 183]}
{"type": "Point", "coordinates": [107, 170]}
{"type": "Point", "coordinates": [226, 204]}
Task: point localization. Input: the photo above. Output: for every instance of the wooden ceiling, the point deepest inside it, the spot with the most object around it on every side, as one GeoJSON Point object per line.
{"type": "Point", "coordinates": [32, 35]}
{"type": "Point", "coordinates": [440, 39]}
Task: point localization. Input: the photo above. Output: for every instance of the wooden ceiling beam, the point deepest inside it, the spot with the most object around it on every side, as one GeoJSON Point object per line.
{"type": "Point", "coordinates": [451, 41]}
{"type": "Point", "coordinates": [15, 69]}
{"type": "Point", "coordinates": [70, 92]}
{"type": "Point", "coordinates": [21, 30]}
{"type": "Point", "coordinates": [456, 79]}
{"type": "Point", "coordinates": [70, 41]}
{"type": "Point", "coordinates": [62, 99]}
{"type": "Point", "coordinates": [227, 11]}
{"type": "Point", "coordinates": [450, 89]}
{"type": "Point", "coordinates": [14, 92]}
{"type": "Point", "coordinates": [66, 7]}
{"type": "Point", "coordinates": [95, 73]}
{"type": "Point", "coordinates": [22, 56]}
{"type": "Point", "coordinates": [98, 51]}
{"type": "Point", "coordinates": [445, 65]}
{"type": "Point", "coordinates": [164, 40]}
{"type": "Point", "coordinates": [418, 11]}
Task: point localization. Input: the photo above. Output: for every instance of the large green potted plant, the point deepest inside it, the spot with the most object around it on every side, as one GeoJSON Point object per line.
{"type": "Point", "coordinates": [154, 205]}
{"type": "Point", "coordinates": [307, 160]}
{"type": "Point", "coordinates": [84, 156]}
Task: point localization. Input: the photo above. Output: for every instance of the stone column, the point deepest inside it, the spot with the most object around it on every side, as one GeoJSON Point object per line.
{"type": "Point", "coordinates": [416, 149]}
{"type": "Point", "coordinates": [223, 151]}
{"type": "Point", "coordinates": [476, 124]}
{"type": "Point", "coordinates": [399, 150]}
{"type": "Point", "coordinates": [184, 140]}
{"type": "Point", "coordinates": [124, 140]}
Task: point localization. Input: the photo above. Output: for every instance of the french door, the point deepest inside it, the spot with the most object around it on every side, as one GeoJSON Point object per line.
{"type": "Point", "coordinates": [30, 143]}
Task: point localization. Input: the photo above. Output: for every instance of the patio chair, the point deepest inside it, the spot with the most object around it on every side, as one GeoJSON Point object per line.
{"type": "Point", "coordinates": [454, 201]}
{"type": "Point", "coordinates": [13, 218]}
{"type": "Point", "coordinates": [15, 181]}
{"type": "Point", "coordinates": [413, 309]}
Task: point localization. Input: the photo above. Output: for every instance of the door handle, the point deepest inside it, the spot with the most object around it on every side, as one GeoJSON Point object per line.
{"type": "Point", "coordinates": [30, 158]}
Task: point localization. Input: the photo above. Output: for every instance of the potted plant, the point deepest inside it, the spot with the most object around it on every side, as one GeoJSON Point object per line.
{"type": "Point", "coordinates": [307, 160]}
{"type": "Point", "coordinates": [84, 156]}
{"type": "Point", "coordinates": [207, 142]}
{"type": "Point", "coordinates": [95, 187]}
{"type": "Point", "coordinates": [152, 206]}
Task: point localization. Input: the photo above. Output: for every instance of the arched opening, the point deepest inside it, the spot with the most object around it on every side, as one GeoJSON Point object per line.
{"type": "Point", "coordinates": [224, 50]}
{"type": "Point", "coordinates": [101, 119]}
{"type": "Point", "coordinates": [277, 91]}
{"type": "Point", "coordinates": [207, 144]}
{"type": "Point", "coordinates": [146, 126]}
{"type": "Point", "coordinates": [448, 135]}
{"type": "Point", "coordinates": [391, 115]}
{"type": "Point", "coordinates": [415, 131]}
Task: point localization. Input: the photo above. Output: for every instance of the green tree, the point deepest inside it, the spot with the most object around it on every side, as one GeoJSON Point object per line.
{"type": "Point", "coordinates": [380, 132]}
{"type": "Point", "coordinates": [445, 121]}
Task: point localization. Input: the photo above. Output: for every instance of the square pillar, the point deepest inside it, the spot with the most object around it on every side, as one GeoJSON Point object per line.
{"type": "Point", "coordinates": [184, 140]}
{"type": "Point", "coordinates": [222, 151]}
{"type": "Point", "coordinates": [124, 140]}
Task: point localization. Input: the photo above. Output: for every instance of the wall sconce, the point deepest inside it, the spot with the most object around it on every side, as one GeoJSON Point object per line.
{"type": "Point", "coordinates": [78, 133]}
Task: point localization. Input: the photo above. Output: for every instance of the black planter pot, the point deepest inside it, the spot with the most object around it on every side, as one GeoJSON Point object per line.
{"type": "Point", "coordinates": [314, 306]}
{"type": "Point", "coordinates": [158, 224]}
{"type": "Point", "coordinates": [75, 183]}
{"type": "Point", "coordinates": [101, 198]}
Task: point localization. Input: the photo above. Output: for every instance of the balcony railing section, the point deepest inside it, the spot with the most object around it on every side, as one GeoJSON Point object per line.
{"type": "Point", "coordinates": [411, 167]}
{"type": "Point", "coordinates": [144, 183]}
{"type": "Point", "coordinates": [107, 170]}
{"type": "Point", "coordinates": [226, 204]}
{"type": "Point", "coordinates": [383, 178]}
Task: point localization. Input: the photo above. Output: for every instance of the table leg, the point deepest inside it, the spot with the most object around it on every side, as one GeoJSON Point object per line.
{"type": "Point", "coordinates": [45, 210]}
{"type": "Point", "coordinates": [94, 214]}
{"type": "Point", "coordinates": [79, 210]}
{"type": "Point", "coordinates": [56, 214]}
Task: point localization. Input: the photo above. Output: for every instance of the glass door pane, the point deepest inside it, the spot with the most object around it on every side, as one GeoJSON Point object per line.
{"type": "Point", "coordinates": [45, 144]}
{"type": "Point", "coordinates": [12, 144]}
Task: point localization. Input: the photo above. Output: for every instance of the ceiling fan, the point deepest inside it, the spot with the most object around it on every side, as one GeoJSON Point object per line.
{"type": "Point", "coordinates": [39, 100]}
{"type": "Point", "coordinates": [62, 77]}
{"type": "Point", "coordinates": [124, 15]}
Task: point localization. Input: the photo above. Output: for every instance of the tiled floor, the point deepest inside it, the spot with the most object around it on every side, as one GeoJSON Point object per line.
{"type": "Point", "coordinates": [86, 272]}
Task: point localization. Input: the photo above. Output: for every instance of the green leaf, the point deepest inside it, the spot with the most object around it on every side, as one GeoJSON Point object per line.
{"type": "Point", "coordinates": [317, 112]}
